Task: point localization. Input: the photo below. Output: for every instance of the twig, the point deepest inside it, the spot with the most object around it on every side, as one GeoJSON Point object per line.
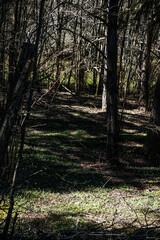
{"type": "Point", "coordinates": [31, 175]}
{"type": "Point", "coordinates": [132, 209]}
{"type": "Point", "coordinates": [97, 235]}
{"type": "Point", "coordinates": [63, 178]}
{"type": "Point", "coordinates": [37, 100]}
{"type": "Point", "coordinates": [39, 125]}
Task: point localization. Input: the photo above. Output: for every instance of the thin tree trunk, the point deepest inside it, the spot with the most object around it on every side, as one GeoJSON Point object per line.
{"type": "Point", "coordinates": [145, 67]}
{"type": "Point", "coordinates": [2, 10]}
{"type": "Point", "coordinates": [13, 108]}
{"type": "Point", "coordinates": [156, 104]}
{"type": "Point", "coordinates": [104, 63]}
{"type": "Point", "coordinates": [58, 44]}
{"type": "Point", "coordinates": [18, 93]}
{"type": "Point", "coordinates": [13, 53]}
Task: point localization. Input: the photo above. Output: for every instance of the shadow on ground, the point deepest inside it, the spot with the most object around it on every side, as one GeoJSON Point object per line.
{"type": "Point", "coordinates": [65, 153]}
{"type": "Point", "coordinates": [65, 148]}
{"type": "Point", "coordinates": [91, 230]}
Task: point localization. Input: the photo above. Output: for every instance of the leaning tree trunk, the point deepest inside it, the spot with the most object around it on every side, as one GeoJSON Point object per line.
{"type": "Point", "coordinates": [13, 107]}
{"type": "Point", "coordinates": [112, 88]}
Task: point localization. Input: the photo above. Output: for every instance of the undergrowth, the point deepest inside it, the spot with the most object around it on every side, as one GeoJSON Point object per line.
{"type": "Point", "coordinates": [64, 183]}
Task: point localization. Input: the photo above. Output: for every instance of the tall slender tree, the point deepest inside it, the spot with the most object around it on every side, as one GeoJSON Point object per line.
{"type": "Point", "coordinates": [111, 81]}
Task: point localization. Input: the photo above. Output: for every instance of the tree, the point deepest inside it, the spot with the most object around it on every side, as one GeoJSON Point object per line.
{"type": "Point", "coordinates": [156, 103]}
{"type": "Point", "coordinates": [111, 83]}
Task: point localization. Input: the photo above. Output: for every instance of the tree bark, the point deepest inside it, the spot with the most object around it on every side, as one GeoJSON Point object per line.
{"type": "Point", "coordinates": [112, 88]}
{"type": "Point", "coordinates": [145, 65]}
{"type": "Point", "coordinates": [13, 108]}
{"type": "Point", "coordinates": [156, 104]}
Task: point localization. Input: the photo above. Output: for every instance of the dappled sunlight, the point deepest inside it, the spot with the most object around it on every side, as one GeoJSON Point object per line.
{"type": "Point", "coordinates": [66, 184]}
{"type": "Point", "coordinates": [132, 144]}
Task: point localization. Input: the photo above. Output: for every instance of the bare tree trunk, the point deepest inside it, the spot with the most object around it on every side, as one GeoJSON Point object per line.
{"type": "Point", "coordinates": [13, 51]}
{"type": "Point", "coordinates": [152, 143]}
{"type": "Point", "coordinates": [2, 10]}
{"type": "Point", "coordinates": [80, 54]}
{"type": "Point", "coordinates": [104, 82]}
{"type": "Point", "coordinates": [104, 63]}
{"type": "Point", "coordinates": [145, 66]}
{"type": "Point", "coordinates": [12, 109]}
{"type": "Point", "coordinates": [156, 104]}
{"type": "Point", "coordinates": [58, 43]}
{"type": "Point", "coordinates": [112, 88]}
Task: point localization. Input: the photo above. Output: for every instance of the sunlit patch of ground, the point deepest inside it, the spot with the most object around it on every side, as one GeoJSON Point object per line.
{"type": "Point", "coordinates": [94, 208]}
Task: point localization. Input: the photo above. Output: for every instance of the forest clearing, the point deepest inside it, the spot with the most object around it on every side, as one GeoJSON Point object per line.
{"type": "Point", "coordinates": [79, 119]}
{"type": "Point", "coordinates": [65, 188]}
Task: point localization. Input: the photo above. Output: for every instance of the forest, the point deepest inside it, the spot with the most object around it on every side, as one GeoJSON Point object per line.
{"type": "Point", "coordinates": [79, 119]}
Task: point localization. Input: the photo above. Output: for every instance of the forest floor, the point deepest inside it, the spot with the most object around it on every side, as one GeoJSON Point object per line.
{"type": "Point", "coordinates": [67, 189]}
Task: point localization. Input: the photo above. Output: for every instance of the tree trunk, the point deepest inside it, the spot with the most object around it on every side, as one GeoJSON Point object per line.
{"type": "Point", "coordinates": [13, 51]}
{"type": "Point", "coordinates": [2, 10]}
{"type": "Point", "coordinates": [112, 88]}
{"type": "Point", "coordinates": [156, 104]}
{"type": "Point", "coordinates": [12, 109]}
{"type": "Point", "coordinates": [145, 66]}
{"type": "Point", "coordinates": [58, 44]}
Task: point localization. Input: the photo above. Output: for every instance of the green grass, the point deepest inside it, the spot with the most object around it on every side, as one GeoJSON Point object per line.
{"type": "Point", "coordinates": [65, 184]}
{"type": "Point", "coordinates": [86, 209]}
{"type": "Point", "coordinates": [67, 197]}
{"type": "Point", "coordinates": [91, 209]}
